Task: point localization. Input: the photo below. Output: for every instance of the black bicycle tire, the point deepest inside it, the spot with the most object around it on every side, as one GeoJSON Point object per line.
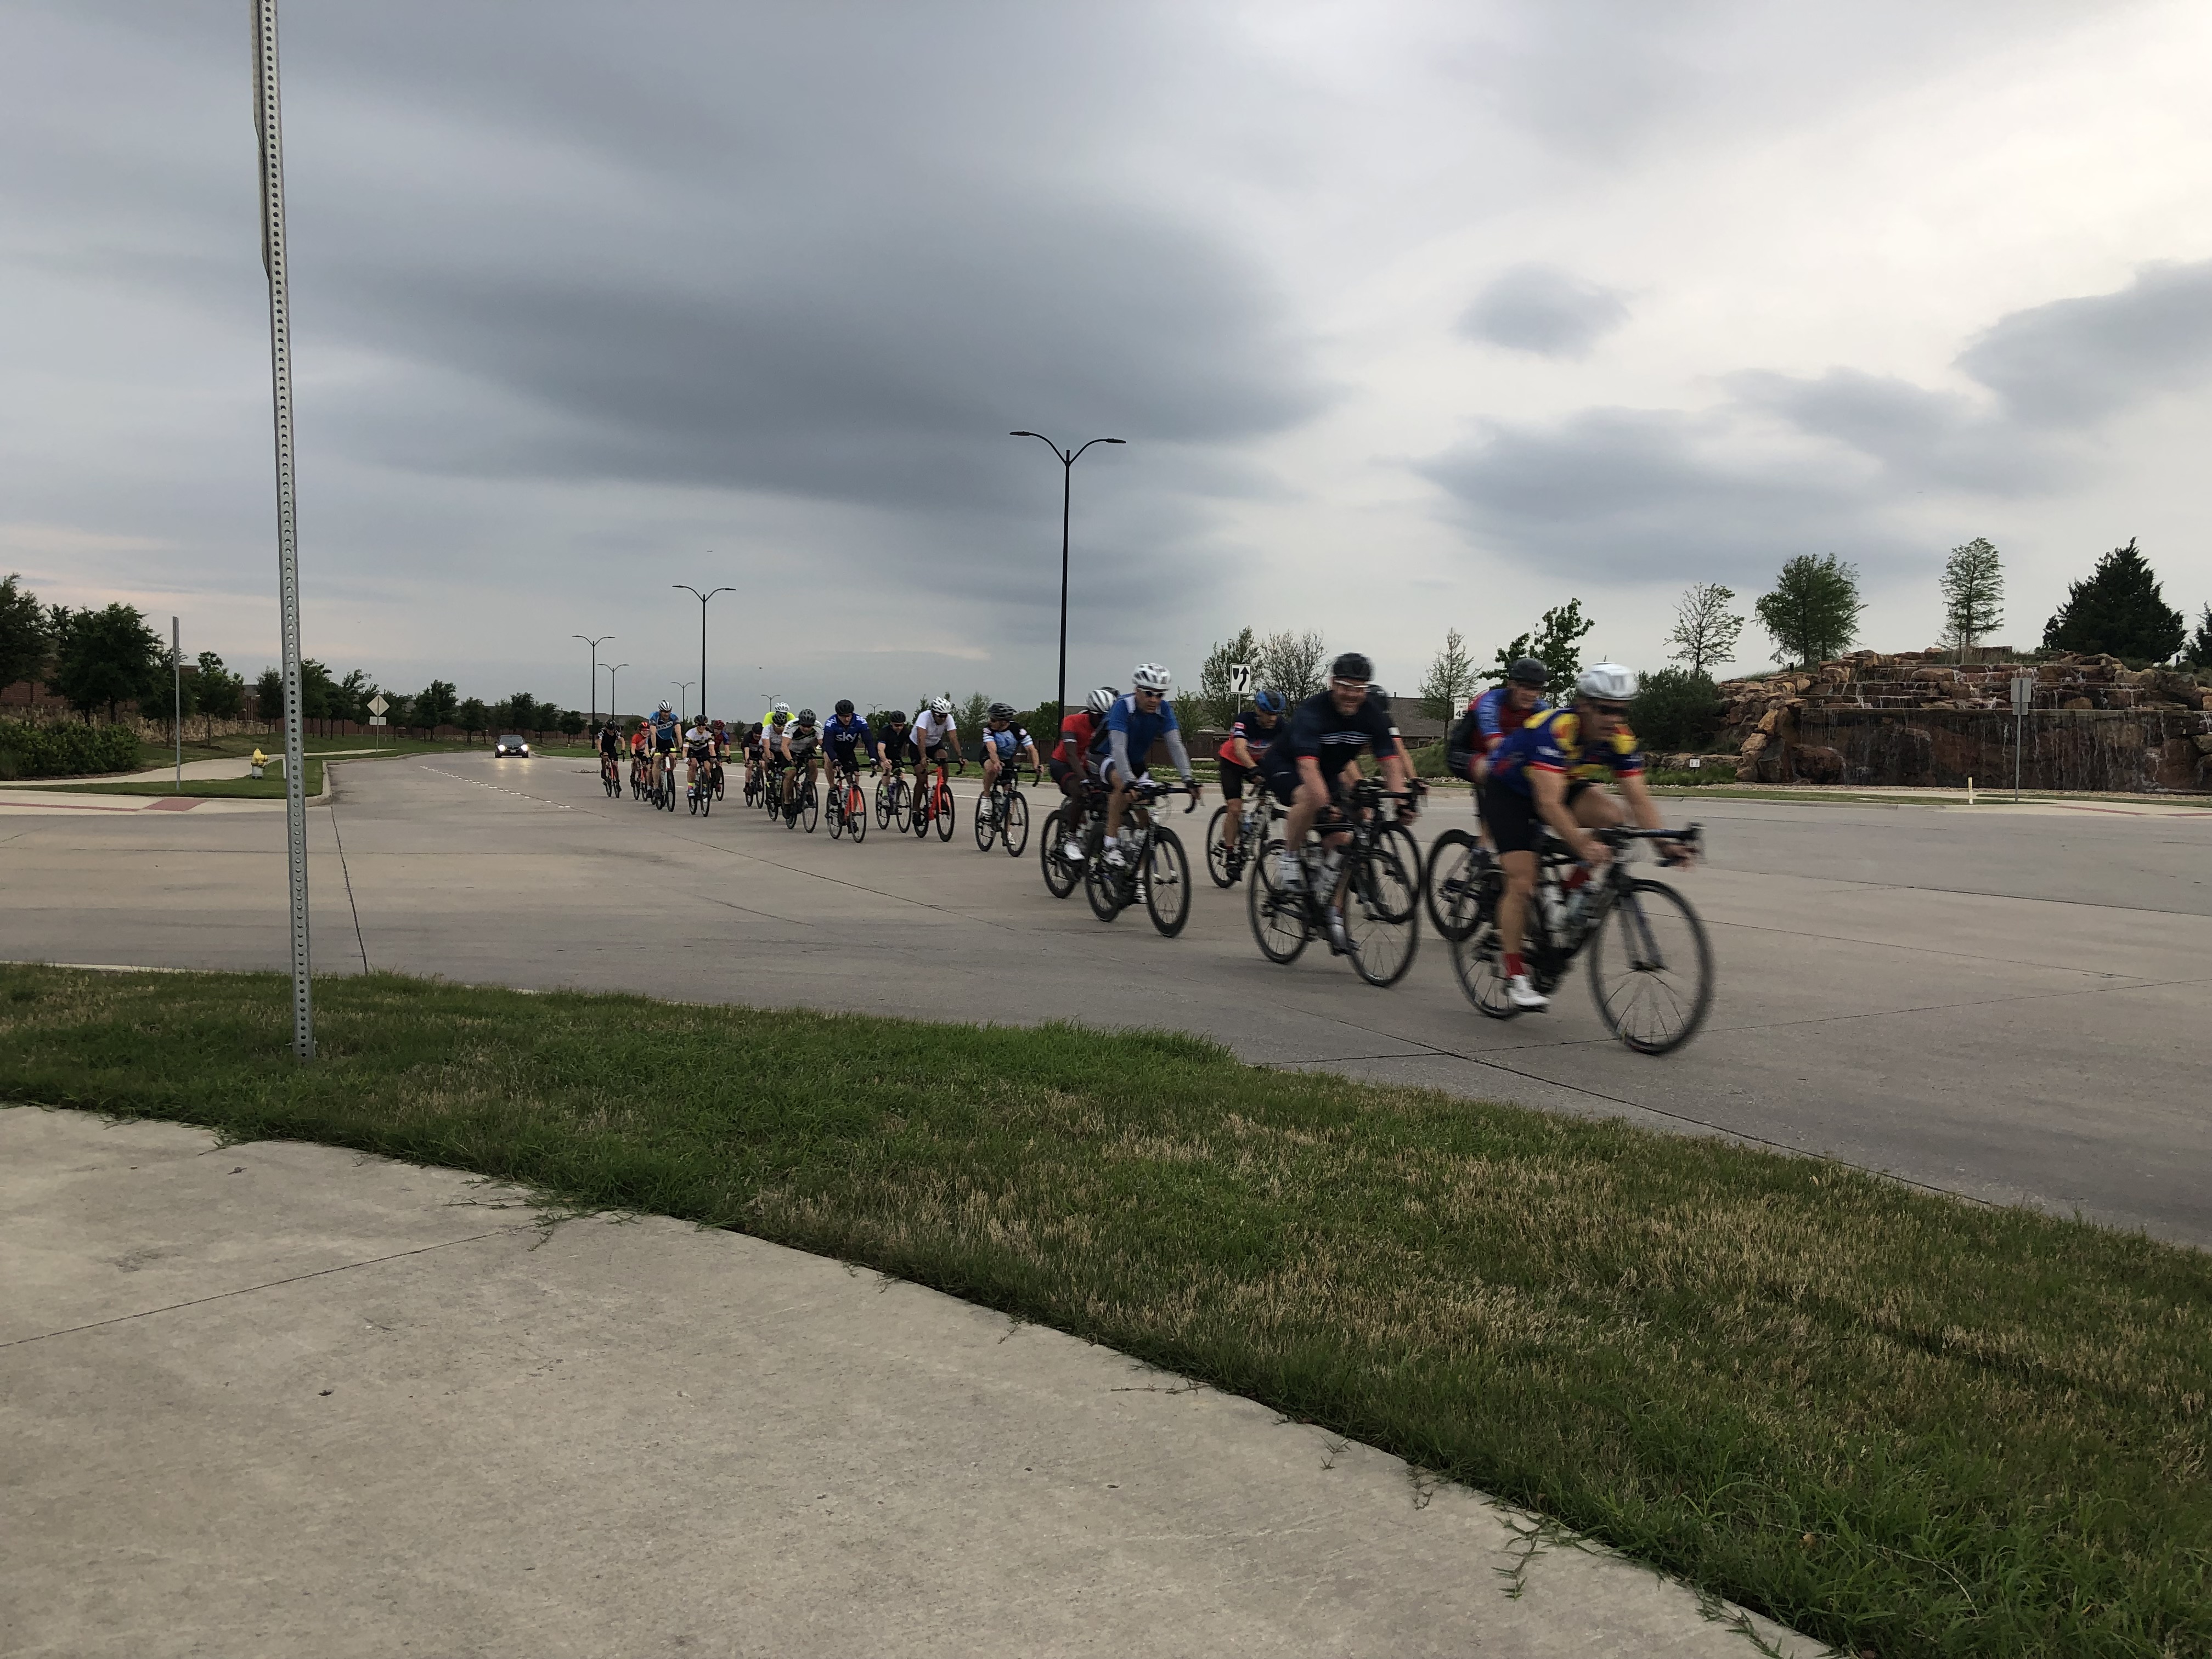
{"type": "Point", "coordinates": [835, 811]}
{"type": "Point", "coordinates": [1444, 862]}
{"type": "Point", "coordinates": [1017, 807]}
{"type": "Point", "coordinates": [1409, 855]}
{"type": "Point", "coordinates": [1100, 877]}
{"type": "Point", "coordinates": [1159, 838]}
{"type": "Point", "coordinates": [1466, 955]}
{"type": "Point", "coordinates": [1703, 1001]}
{"type": "Point", "coordinates": [985, 827]}
{"type": "Point", "coordinates": [1358, 860]}
{"type": "Point", "coordinates": [948, 819]}
{"type": "Point", "coordinates": [1217, 850]}
{"type": "Point", "coordinates": [1260, 891]}
{"type": "Point", "coordinates": [1052, 859]}
{"type": "Point", "coordinates": [856, 824]}
{"type": "Point", "coordinates": [809, 804]}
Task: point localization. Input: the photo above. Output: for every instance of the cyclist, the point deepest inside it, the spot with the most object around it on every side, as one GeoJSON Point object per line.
{"type": "Point", "coordinates": [1004, 742]}
{"type": "Point", "coordinates": [935, 736]}
{"type": "Point", "coordinates": [1489, 719]}
{"type": "Point", "coordinates": [1249, 736]}
{"type": "Point", "coordinates": [1326, 733]}
{"type": "Point", "coordinates": [1543, 774]}
{"type": "Point", "coordinates": [641, 756]}
{"type": "Point", "coordinates": [800, 745]}
{"type": "Point", "coordinates": [610, 749]}
{"type": "Point", "coordinates": [847, 738]}
{"type": "Point", "coordinates": [1121, 747]}
{"type": "Point", "coordinates": [698, 756]}
{"type": "Point", "coordinates": [891, 740]}
{"type": "Point", "coordinates": [663, 737]}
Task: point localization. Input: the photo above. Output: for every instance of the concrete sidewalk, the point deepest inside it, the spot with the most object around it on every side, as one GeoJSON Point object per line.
{"type": "Point", "coordinates": [282, 1400]}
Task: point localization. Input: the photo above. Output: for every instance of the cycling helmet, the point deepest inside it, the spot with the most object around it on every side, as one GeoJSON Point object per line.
{"type": "Point", "coordinates": [1607, 682]}
{"type": "Point", "coordinates": [1270, 702]}
{"type": "Point", "coordinates": [774, 709]}
{"type": "Point", "coordinates": [844, 708]}
{"type": "Point", "coordinates": [665, 708]}
{"type": "Point", "coordinates": [891, 722]}
{"type": "Point", "coordinates": [1352, 666]}
{"type": "Point", "coordinates": [1002, 711]}
{"type": "Point", "coordinates": [940, 707]}
{"type": "Point", "coordinates": [1103, 699]}
{"type": "Point", "coordinates": [1526, 671]}
{"type": "Point", "coordinates": [779, 715]}
{"type": "Point", "coordinates": [807, 717]}
{"type": "Point", "coordinates": [1151, 677]}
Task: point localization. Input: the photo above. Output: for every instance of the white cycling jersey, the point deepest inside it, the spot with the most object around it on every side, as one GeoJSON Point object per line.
{"type": "Point", "coordinates": [931, 730]}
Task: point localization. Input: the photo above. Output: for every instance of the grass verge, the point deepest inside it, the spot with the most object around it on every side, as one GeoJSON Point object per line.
{"type": "Point", "coordinates": [269, 788]}
{"type": "Point", "coordinates": [1904, 1423]}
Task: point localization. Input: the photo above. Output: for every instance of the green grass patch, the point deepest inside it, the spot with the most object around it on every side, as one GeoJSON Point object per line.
{"type": "Point", "coordinates": [1899, 1422]}
{"type": "Point", "coordinates": [269, 788]}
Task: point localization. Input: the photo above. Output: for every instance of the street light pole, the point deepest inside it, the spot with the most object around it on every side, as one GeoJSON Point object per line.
{"type": "Point", "coordinates": [683, 698]}
{"type": "Point", "coordinates": [613, 713]}
{"type": "Point", "coordinates": [1067, 459]}
{"type": "Point", "coordinates": [595, 644]}
{"type": "Point", "coordinates": [702, 598]}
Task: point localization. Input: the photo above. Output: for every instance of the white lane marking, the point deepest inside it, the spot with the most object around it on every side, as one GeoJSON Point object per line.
{"type": "Point", "coordinates": [499, 789]}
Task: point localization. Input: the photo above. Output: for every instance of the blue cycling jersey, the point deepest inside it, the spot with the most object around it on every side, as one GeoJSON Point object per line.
{"type": "Point", "coordinates": [845, 736]}
{"type": "Point", "coordinates": [1008, 743]}
{"type": "Point", "coordinates": [1495, 716]}
{"type": "Point", "coordinates": [1553, 742]}
{"type": "Point", "coordinates": [1142, 730]}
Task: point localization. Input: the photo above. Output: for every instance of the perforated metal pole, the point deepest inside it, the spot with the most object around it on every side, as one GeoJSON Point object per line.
{"type": "Point", "coordinates": [268, 122]}
{"type": "Point", "coordinates": [177, 692]}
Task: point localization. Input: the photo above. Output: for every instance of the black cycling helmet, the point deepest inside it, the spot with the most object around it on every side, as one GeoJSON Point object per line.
{"type": "Point", "coordinates": [1526, 671]}
{"type": "Point", "coordinates": [805, 717]}
{"type": "Point", "coordinates": [844, 708]}
{"type": "Point", "coordinates": [896, 717]}
{"type": "Point", "coordinates": [1352, 666]}
{"type": "Point", "coordinates": [1003, 711]}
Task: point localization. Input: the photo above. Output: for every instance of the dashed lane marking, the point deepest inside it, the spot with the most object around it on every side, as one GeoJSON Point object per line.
{"type": "Point", "coordinates": [499, 789]}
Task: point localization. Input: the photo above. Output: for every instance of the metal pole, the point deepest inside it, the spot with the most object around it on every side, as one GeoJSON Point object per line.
{"type": "Point", "coordinates": [1067, 492]}
{"type": "Point", "coordinates": [268, 120]}
{"type": "Point", "coordinates": [702, 598]}
{"type": "Point", "coordinates": [177, 691]}
{"type": "Point", "coordinates": [613, 712]}
{"type": "Point", "coordinates": [595, 644]}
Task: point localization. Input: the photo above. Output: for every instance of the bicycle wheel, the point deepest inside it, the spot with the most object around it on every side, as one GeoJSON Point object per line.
{"type": "Point", "coordinates": [1060, 875]}
{"type": "Point", "coordinates": [856, 812]}
{"type": "Point", "coordinates": [944, 813]}
{"type": "Point", "coordinates": [810, 806]}
{"type": "Point", "coordinates": [1014, 832]}
{"type": "Point", "coordinates": [706, 801]}
{"type": "Point", "coordinates": [901, 806]}
{"type": "Point", "coordinates": [1165, 877]}
{"type": "Point", "coordinates": [882, 803]}
{"type": "Point", "coordinates": [1650, 968]}
{"type": "Point", "coordinates": [1478, 957]}
{"type": "Point", "coordinates": [1218, 863]}
{"type": "Point", "coordinates": [1400, 839]}
{"type": "Point", "coordinates": [1104, 885]}
{"type": "Point", "coordinates": [835, 814]}
{"type": "Point", "coordinates": [1382, 912]}
{"type": "Point", "coordinates": [1455, 863]}
{"type": "Point", "coordinates": [987, 821]}
{"type": "Point", "coordinates": [1278, 918]}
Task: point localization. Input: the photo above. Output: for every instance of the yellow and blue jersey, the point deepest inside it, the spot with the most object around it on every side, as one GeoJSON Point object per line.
{"type": "Point", "coordinates": [1553, 741]}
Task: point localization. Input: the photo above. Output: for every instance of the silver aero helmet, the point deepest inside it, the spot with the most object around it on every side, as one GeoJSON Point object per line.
{"type": "Point", "coordinates": [1103, 699]}
{"type": "Point", "coordinates": [1607, 682]}
{"type": "Point", "coordinates": [940, 707]}
{"type": "Point", "coordinates": [1151, 677]}
{"type": "Point", "coordinates": [665, 708]}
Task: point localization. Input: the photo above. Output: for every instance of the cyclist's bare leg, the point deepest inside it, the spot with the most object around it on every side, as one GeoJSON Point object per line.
{"type": "Point", "coordinates": [1116, 805]}
{"type": "Point", "coordinates": [1594, 810]}
{"type": "Point", "coordinates": [1306, 805]}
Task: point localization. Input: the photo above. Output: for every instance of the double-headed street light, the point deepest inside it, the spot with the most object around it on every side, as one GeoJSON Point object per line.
{"type": "Point", "coordinates": [1067, 460]}
{"type": "Point", "coordinates": [595, 644]}
{"type": "Point", "coordinates": [702, 598]}
{"type": "Point", "coordinates": [683, 698]}
{"type": "Point", "coordinates": [614, 710]}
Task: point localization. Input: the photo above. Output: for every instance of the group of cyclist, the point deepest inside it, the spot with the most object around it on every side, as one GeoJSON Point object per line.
{"type": "Point", "coordinates": [1533, 766]}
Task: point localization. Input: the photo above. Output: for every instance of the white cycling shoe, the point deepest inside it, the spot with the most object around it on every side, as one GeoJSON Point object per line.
{"type": "Point", "coordinates": [1072, 852]}
{"type": "Point", "coordinates": [1524, 996]}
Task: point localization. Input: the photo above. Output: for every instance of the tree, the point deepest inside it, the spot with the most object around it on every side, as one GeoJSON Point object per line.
{"type": "Point", "coordinates": [571, 724]}
{"type": "Point", "coordinates": [1705, 629]}
{"type": "Point", "coordinates": [1291, 664]}
{"type": "Point", "coordinates": [25, 633]}
{"type": "Point", "coordinates": [1675, 709]}
{"type": "Point", "coordinates": [2118, 609]}
{"type": "Point", "coordinates": [520, 713]}
{"type": "Point", "coordinates": [1555, 643]}
{"type": "Point", "coordinates": [2199, 653]}
{"type": "Point", "coordinates": [216, 692]}
{"type": "Point", "coordinates": [1812, 613]}
{"type": "Point", "coordinates": [435, 705]}
{"type": "Point", "coordinates": [1974, 595]}
{"type": "Point", "coordinates": [268, 695]}
{"type": "Point", "coordinates": [969, 712]}
{"type": "Point", "coordinates": [473, 717]}
{"type": "Point", "coordinates": [108, 656]}
{"type": "Point", "coordinates": [319, 693]}
{"type": "Point", "coordinates": [1213, 704]}
{"type": "Point", "coordinates": [1450, 677]}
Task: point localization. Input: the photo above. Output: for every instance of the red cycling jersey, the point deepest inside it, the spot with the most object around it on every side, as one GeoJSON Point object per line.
{"type": "Point", "coordinates": [1076, 731]}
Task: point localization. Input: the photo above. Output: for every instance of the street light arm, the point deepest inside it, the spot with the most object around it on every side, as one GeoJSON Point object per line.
{"type": "Point", "coordinates": [1059, 454]}
{"type": "Point", "coordinates": [1072, 459]}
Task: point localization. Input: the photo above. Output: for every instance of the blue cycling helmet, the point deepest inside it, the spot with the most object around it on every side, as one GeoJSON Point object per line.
{"type": "Point", "coordinates": [1270, 702]}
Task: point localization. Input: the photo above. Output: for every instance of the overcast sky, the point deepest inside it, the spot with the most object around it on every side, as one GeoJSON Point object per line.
{"type": "Point", "coordinates": [1413, 316]}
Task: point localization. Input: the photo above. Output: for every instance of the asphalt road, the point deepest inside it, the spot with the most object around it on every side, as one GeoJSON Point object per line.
{"type": "Point", "coordinates": [2005, 1003]}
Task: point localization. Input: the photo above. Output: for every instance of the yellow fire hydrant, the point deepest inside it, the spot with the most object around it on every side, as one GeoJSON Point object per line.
{"type": "Point", "coordinates": [259, 765]}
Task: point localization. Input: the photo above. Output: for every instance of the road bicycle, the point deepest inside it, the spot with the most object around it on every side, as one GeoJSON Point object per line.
{"type": "Point", "coordinates": [611, 775]}
{"type": "Point", "coordinates": [664, 782]}
{"type": "Point", "coordinates": [1365, 900]}
{"type": "Point", "coordinates": [752, 786]}
{"type": "Point", "coordinates": [1260, 811]}
{"type": "Point", "coordinates": [1082, 821]}
{"type": "Point", "coordinates": [892, 800]}
{"type": "Point", "coordinates": [849, 806]}
{"type": "Point", "coordinates": [772, 789]}
{"type": "Point", "coordinates": [933, 801]}
{"type": "Point", "coordinates": [722, 780]}
{"type": "Point", "coordinates": [699, 793]}
{"type": "Point", "coordinates": [1002, 814]}
{"type": "Point", "coordinates": [1155, 869]}
{"type": "Point", "coordinates": [804, 805]}
{"type": "Point", "coordinates": [1650, 966]}
{"type": "Point", "coordinates": [1457, 862]}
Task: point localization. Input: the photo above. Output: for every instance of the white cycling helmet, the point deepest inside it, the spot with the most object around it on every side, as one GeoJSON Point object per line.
{"type": "Point", "coordinates": [1607, 682]}
{"type": "Point", "coordinates": [777, 709]}
{"type": "Point", "coordinates": [665, 708]}
{"type": "Point", "coordinates": [1103, 699]}
{"type": "Point", "coordinates": [940, 707]}
{"type": "Point", "coordinates": [1151, 677]}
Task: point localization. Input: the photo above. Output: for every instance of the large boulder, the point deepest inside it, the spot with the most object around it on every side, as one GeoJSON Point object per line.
{"type": "Point", "coordinates": [1814, 765]}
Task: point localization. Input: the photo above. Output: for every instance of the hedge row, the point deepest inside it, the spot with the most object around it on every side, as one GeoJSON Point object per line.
{"type": "Point", "coordinates": [64, 751]}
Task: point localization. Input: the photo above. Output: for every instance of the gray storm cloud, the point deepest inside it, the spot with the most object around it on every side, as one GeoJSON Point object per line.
{"type": "Point", "coordinates": [1544, 310]}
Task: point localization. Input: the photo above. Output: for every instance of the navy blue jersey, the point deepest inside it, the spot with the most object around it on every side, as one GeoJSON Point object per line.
{"type": "Point", "coordinates": [846, 736]}
{"type": "Point", "coordinates": [1319, 728]}
{"type": "Point", "coordinates": [1257, 738]}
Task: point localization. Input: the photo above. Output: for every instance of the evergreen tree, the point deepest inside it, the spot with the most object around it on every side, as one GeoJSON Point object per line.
{"type": "Point", "coordinates": [216, 692]}
{"type": "Point", "coordinates": [2199, 655]}
{"type": "Point", "coordinates": [1555, 642]}
{"type": "Point", "coordinates": [2117, 609]}
{"type": "Point", "coordinates": [1675, 709]}
{"type": "Point", "coordinates": [473, 717]}
{"type": "Point", "coordinates": [1973, 594]}
{"type": "Point", "coordinates": [269, 696]}
{"type": "Point", "coordinates": [1812, 613]}
{"type": "Point", "coordinates": [25, 636]}
{"type": "Point", "coordinates": [436, 704]}
{"type": "Point", "coordinates": [108, 656]}
{"type": "Point", "coordinates": [1450, 677]}
{"type": "Point", "coordinates": [1705, 629]}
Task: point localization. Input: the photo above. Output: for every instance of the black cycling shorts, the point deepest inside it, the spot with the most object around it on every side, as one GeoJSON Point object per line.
{"type": "Point", "coordinates": [1511, 818]}
{"type": "Point", "coordinates": [1232, 780]}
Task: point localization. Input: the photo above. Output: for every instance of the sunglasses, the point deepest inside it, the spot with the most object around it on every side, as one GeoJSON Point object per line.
{"type": "Point", "coordinates": [1617, 710]}
{"type": "Point", "coordinates": [1142, 692]}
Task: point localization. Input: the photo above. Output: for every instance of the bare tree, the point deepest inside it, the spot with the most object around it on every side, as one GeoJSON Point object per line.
{"type": "Point", "coordinates": [1705, 629]}
{"type": "Point", "coordinates": [1450, 677]}
{"type": "Point", "coordinates": [1291, 663]}
{"type": "Point", "coordinates": [1974, 595]}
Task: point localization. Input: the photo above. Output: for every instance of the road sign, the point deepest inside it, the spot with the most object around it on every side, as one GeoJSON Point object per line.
{"type": "Point", "coordinates": [1240, 678]}
{"type": "Point", "coordinates": [2023, 694]}
{"type": "Point", "coordinates": [378, 720]}
{"type": "Point", "coordinates": [377, 706]}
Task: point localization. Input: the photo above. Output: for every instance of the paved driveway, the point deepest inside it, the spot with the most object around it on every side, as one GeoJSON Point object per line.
{"type": "Point", "coordinates": [2008, 1003]}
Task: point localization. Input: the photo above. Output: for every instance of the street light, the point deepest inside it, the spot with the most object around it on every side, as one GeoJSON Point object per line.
{"type": "Point", "coordinates": [702, 598]}
{"type": "Point", "coordinates": [683, 703]}
{"type": "Point", "coordinates": [613, 711]}
{"type": "Point", "coordinates": [1067, 460]}
{"type": "Point", "coordinates": [595, 644]}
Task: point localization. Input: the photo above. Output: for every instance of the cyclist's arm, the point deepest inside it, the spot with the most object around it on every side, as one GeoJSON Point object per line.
{"type": "Point", "coordinates": [1243, 755]}
{"type": "Point", "coordinates": [1117, 745]}
{"type": "Point", "coordinates": [1639, 801]}
{"type": "Point", "coordinates": [1180, 755]}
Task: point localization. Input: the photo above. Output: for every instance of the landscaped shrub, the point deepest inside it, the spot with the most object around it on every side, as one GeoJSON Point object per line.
{"type": "Point", "coordinates": [64, 751]}
{"type": "Point", "coordinates": [1675, 710]}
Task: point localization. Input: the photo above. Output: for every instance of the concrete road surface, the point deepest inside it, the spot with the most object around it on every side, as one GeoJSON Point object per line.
{"type": "Point", "coordinates": [278, 1399]}
{"type": "Point", "coordinates": [2007, 1003]}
